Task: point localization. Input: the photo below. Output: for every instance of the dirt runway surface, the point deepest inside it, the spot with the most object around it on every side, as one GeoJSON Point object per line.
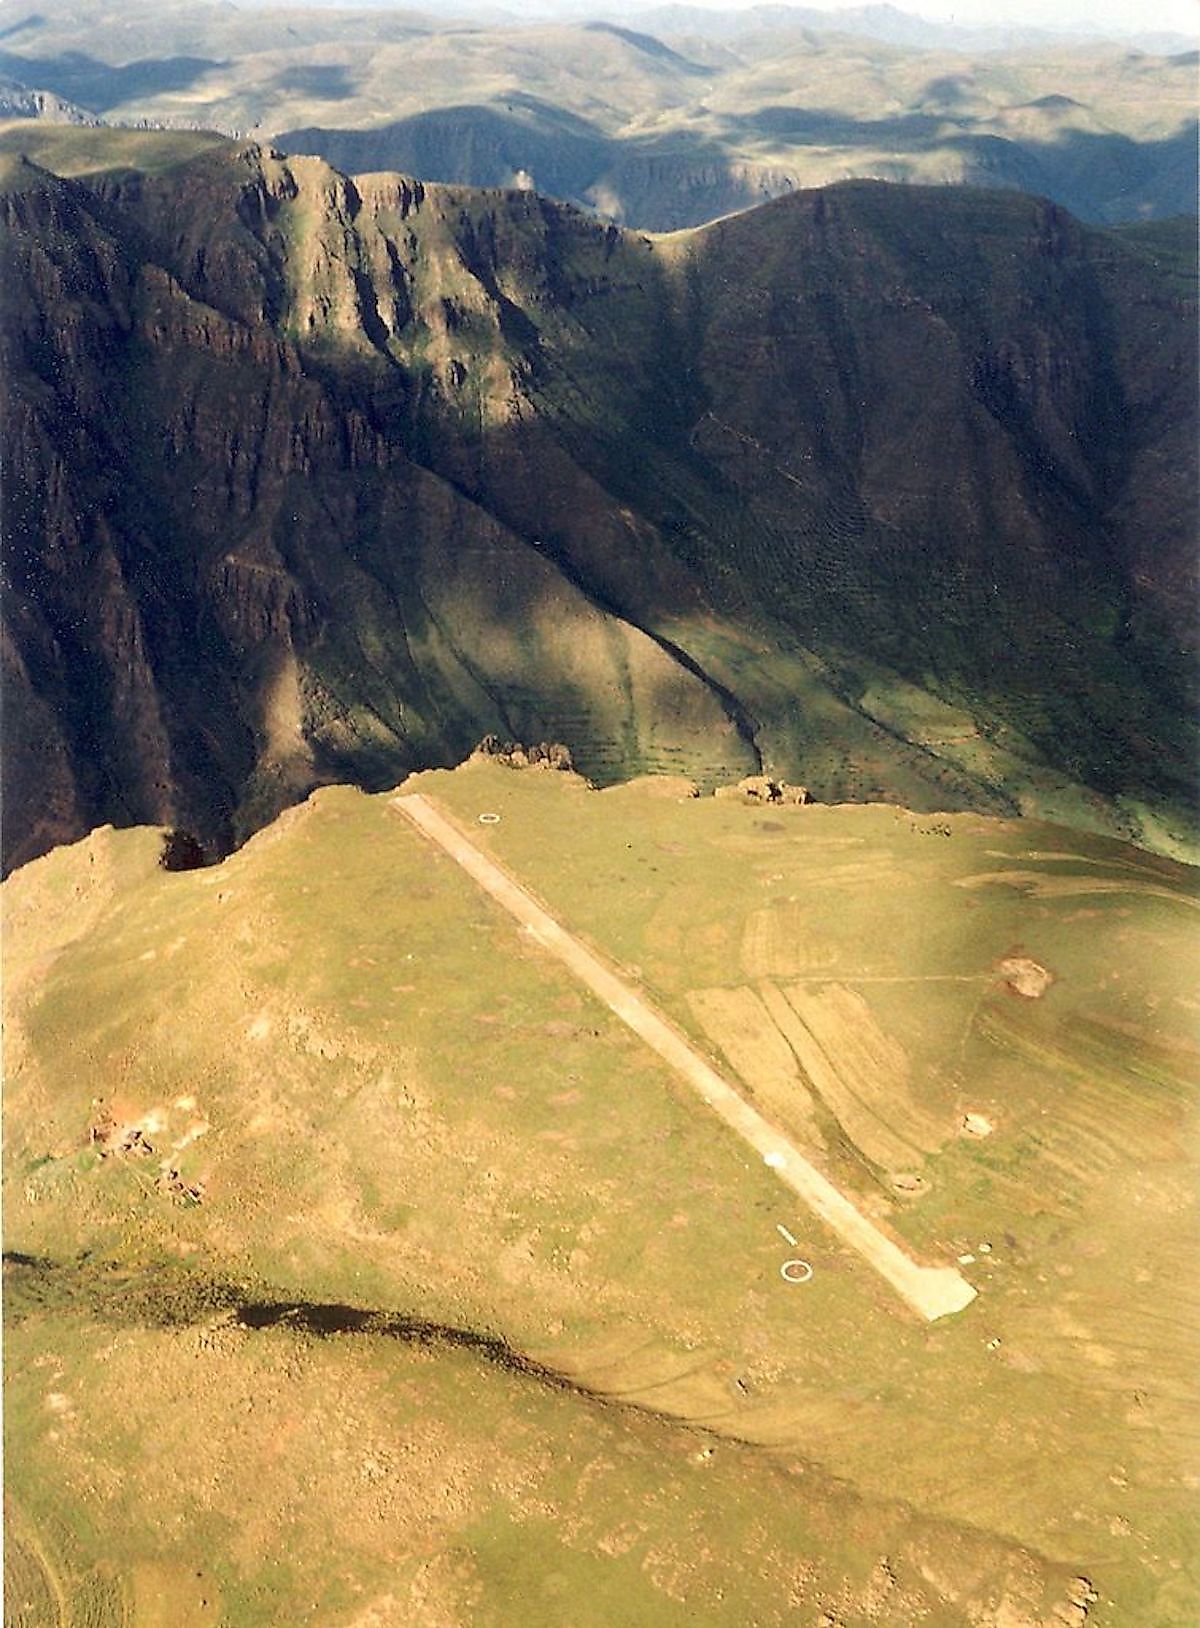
{"type": "Point", "coordinates": [932, 1291]}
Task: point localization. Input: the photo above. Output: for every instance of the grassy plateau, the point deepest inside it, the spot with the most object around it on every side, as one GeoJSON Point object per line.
{"type": "Point", "coordinates": [363, 1270]}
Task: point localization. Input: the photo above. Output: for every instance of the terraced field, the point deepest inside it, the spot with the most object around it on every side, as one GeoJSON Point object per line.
{"type": "Point", "coordinates": [364, 1269]}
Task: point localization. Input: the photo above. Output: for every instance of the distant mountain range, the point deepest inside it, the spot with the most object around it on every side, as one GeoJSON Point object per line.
{"type": "Point", "coordinates": [887, 490]}
{"type": "Point", "coordinates": [657, 119]}
{"type": "Point", "coordinates": [886, 23]}
{"type": "Point", "coordinates": [891, 24]}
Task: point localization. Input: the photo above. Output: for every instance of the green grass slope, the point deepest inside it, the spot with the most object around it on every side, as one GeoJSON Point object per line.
{"type": "Point", "coordinates": [326, 1184]}
{"type": "Point", "coordinates": [66, 149]}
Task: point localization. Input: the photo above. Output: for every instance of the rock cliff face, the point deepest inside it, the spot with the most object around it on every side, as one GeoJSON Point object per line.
{"type": "Point", "coordinates": [18, 101]}
{"type": "Point", "coordinates": [308, 478]}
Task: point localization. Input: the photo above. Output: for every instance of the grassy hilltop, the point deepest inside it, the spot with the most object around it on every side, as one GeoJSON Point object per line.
{"type": "Point", "coordinates": [888, 490]}
{"type": "Point", "coordinates": [367, 1270]}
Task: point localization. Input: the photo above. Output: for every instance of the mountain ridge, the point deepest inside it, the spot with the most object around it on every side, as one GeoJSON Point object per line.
{"type": "Point", "coordinates": [445, 463]}
{"type": "Point", "coordinates": [658, 130]}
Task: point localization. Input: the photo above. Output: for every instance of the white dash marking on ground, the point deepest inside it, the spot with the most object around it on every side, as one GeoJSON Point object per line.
{"type": "Point", "coordinates": [932, 1291]}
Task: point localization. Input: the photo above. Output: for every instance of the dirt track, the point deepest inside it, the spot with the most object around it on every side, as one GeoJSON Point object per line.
{"type": "Point", "coordinates": [933, 1291]}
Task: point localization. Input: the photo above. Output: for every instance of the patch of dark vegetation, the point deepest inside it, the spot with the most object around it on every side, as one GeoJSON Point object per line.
{"type": "Point", "coordinates": [181, 851]}
{"type": "Point", "coordinates": [163, 1295]}
{"type": "Point", "coordinates": [325, 1320]}
{"type": "Point", "coordinates": [158, 1295]}
{"type": "Point", "coordinates": [312, 1319]}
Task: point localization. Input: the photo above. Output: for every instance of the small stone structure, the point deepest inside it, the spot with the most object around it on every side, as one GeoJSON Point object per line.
{"type": "Point", "coordinates": [542, 755]}
{"type": "Point", "coordinates": [1025, 977]}
{"type": "Point", "coordinates": [761, 788]}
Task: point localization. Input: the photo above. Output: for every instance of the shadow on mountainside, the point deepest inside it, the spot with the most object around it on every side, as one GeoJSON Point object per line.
{"type": "Point", "coordinates": [99, 86]}
{"type": "Point", "coordinates": [681, 178]}
{"type": "Point", "coordinates": [471, 145]}
{"type": "Point", "coordinates": [865, 443]}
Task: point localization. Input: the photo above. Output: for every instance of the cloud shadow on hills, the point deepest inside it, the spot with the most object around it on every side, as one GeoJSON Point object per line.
{"type": "Point", "coordinates": [99, 86]}
{"type": "Point", "coordinates": [471, 145]}
{"type": "Point", "coordinates": [650, 45]}
{"type": "Point", "coordinates": [35, 19]}
{"type": "Point", "coordinates": [826, 126]}
{"type": "Point", "coordinates": [1105, 178]}
{"type": "Point", "coordinates": [326, 81]}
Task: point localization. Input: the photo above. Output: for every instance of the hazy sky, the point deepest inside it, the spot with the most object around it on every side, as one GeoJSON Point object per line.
{"type": "Point", "coordinates": [1129, 16]}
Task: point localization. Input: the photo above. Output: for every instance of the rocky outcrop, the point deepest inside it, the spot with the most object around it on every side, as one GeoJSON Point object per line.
{"type": "Point", "coordinates": [760, 788]}
{"type": "Point", "coordinates": [1076, 1610]}
{"type": "Point", "coordinates": [18, 101]}
{"type": "Point", "coordinates": [540, 755]}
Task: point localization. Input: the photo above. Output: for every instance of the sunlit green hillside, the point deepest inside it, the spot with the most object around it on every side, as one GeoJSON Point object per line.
{"type": "Point", "coordinates": [367, 1269]}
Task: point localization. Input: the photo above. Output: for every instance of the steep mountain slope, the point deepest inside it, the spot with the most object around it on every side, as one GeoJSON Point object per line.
{"type": "Point", "coordinates": [886, 489]}
{"type": "Point", "coordinates": [369, 1268]}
